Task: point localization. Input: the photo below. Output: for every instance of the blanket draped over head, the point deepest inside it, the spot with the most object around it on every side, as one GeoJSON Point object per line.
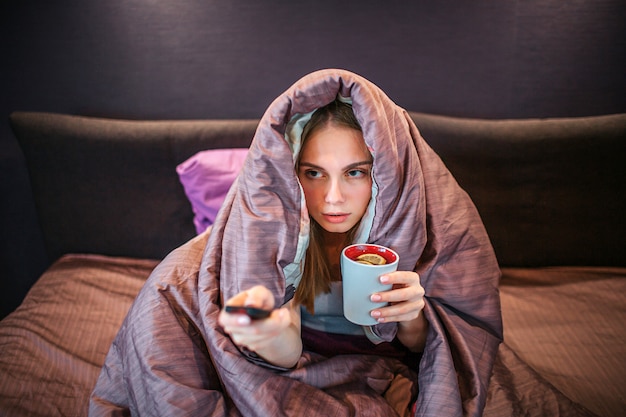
{"type": "Point", "coordinates": [171, 357]}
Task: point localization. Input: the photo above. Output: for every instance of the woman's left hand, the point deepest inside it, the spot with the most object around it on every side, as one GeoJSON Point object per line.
{"type": "Point", "coordinates": [406, 302]}
{"type": "Point", "coordinates": [405, 298]}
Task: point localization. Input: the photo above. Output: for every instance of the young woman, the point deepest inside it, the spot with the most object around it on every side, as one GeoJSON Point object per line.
{"type": "Point", "coordinates": [333, 161]}
{"type": "Point", "coordinates": [334, 168]}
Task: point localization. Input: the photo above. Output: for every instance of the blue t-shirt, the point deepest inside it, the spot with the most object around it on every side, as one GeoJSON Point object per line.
{"type": "Point", "coordinates": [328, 315]}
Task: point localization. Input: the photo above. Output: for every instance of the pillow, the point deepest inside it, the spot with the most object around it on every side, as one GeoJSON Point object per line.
{"type": "Point", "coordinates": [206, 178]}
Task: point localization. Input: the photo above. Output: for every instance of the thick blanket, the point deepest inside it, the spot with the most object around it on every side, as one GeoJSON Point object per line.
{"type": "Point", "coordinates": [170, 356]}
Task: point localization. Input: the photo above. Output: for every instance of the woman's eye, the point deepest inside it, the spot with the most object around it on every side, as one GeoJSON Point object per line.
{"type": "Point", "coordinates": [356, 173]}
{"type": "Point", "coordinates": [312, 173]}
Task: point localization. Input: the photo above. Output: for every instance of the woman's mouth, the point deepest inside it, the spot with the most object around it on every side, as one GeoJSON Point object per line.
{"type": "Point", "coordinates": [335, 217]}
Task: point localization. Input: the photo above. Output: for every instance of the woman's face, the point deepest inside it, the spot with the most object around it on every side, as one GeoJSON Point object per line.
{"type": "Point", "coordinates": [335, 173]}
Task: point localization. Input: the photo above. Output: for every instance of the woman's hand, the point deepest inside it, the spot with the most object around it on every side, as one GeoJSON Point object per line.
{"type": "Point", "coordinates": [276, 338]}
{"type": "Point", "coordinates": [406, 302]}
{"type": "Point", "coordinates": [254, 334]}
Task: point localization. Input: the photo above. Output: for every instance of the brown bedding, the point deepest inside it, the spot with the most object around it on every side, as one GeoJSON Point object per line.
{"type": "Point", "coordinates": [53, 346]}
{"type": "Point", "coordinates": [49, 367]}
{"type": "Point", "coordinates": [569, 324]}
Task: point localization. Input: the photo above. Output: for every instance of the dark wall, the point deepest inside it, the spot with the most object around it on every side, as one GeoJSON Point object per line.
{"type": "Point", "coordinates": [229, 59]}
{"type": "Point", "coordinates": [210, 58]}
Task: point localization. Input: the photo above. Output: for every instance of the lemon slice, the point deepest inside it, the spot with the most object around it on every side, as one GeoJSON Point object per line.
{"type": "Point", "coordinates": [371, 258]}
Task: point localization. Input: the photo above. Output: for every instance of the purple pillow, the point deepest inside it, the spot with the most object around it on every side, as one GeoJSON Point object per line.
{"type": "Point", "coordinates": [206, 178]}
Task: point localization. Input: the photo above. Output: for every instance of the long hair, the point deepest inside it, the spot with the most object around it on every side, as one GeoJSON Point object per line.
{"type": "Point", "coordinates": [316, 277]}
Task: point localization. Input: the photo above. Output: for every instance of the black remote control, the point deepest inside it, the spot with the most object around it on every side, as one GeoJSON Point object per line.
{"type": "Point", "coordinates": [252, 312]}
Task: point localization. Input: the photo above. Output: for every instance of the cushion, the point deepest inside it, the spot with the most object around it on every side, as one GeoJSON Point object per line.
{"type": "Point", "coordinates": [206, 178]}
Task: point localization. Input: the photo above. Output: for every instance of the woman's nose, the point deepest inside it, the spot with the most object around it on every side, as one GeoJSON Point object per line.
{"type": "Point", "coordinates": [334, 193]}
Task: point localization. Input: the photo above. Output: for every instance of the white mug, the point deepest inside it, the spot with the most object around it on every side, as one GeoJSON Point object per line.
{"type": "Point", "coordinates": [361, 280]}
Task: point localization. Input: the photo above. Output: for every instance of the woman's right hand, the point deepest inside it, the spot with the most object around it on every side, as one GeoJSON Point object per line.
{"type": "Point", "coordinates": [272, 338]}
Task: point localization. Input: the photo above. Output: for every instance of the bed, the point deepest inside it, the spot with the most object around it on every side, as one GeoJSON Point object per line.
{"type": "Point", "coordinates": [111, 206]}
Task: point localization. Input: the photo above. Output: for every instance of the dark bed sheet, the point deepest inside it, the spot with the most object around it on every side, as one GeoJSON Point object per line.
{"type": "Point", "coordinates": [564, 339]}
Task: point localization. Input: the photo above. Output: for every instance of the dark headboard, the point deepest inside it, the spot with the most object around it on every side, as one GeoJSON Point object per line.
{"type": "Point", "coordinates": [550, 192]}
{"type": "Point", "coordinates": [110, 186]}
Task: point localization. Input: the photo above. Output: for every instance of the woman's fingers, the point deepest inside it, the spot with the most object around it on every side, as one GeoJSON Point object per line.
{"type": "Point", "coordinates": [404, 311]}
{"type": "Point", "coordinates": [405, 286]}
{"type": "Point", "coordinates": [239, 323]}
{"type": "Point", "coordinates": [259, 297]}
{"type": "Point", "coordinates": [255, 334]}
{"type": "Point", "coordinates": [405, 298]}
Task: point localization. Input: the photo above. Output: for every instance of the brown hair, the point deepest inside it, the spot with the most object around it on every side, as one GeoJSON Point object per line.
{"type": "Point", "coordinates": [316, 277]}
